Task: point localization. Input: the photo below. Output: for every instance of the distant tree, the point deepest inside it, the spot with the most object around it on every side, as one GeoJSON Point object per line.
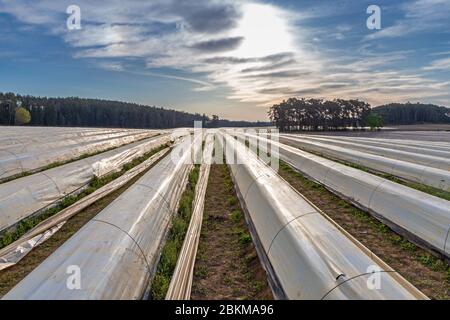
{"type": "Point", "coordinates": [22, 116]}
{"type": "Point", "coordinates": [204, 120]}
{"type": "Point", "coordinates": [8, 104]}
{"type": "Point", "coordinates": [374, 121]}
{"type": "Point", "coordinates": [317, 114]}
{"type": "Point", "coordinates": [215, 121]}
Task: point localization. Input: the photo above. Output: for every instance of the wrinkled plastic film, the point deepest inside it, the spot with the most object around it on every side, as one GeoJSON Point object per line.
{"type": "Point", "coordinates": [17, 250]}
{"type": "Point", "coordinates": [23, 197]}
{"type": "Point", "coordinates": [309, 255]}
{"type": "Point", "coordinates": [425, 147]}
{"type": "Point", "coordinates": [117, 251]}
{"type": "Point", "coordinates": [423, 218]}
{"type": "Point", "coordinates": [418, 156]}
{"type": "Point", "coordinates": [181, 282]}
{"type": "Point", "coordinates": [410, 171]}
{"type": "Point", "coordinates": [21, 154]}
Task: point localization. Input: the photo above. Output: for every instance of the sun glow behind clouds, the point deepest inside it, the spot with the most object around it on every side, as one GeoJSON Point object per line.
{"type": "Point", "coordinates": [264, 30]}
{"type": "Point", "coordinates": [254, 51]}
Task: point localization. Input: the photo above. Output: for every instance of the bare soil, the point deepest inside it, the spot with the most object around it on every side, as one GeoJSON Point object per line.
{"type": "Point", "coordinates": [427, 273]}
{"type": "Point", "coordinates": [227, 265]}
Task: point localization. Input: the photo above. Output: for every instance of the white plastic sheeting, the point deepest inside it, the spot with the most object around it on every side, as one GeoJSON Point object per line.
{"type": "Point", "coordinates": [17, 250]}
{"type": "Point", "coordinates": [117, 251]}
{"type": "Point", "coordinates": [426, 147]}
{"type": "Point", "coordinates": [310, 256]}
{"type": "Point", "coordinates": [410, 171]}
{"type": "Point", "coordinates": [22, 135]}
{"type": "Point", "coordinates": [423, 218]}
{"type": "Point", "coordinates": [24, 154]}
{"type": "Point", "coordinates": [414, 157]}
{"type": "Point", "coordinates": [181, 282]}
{"type": "Point", "coordinates": [439, 135]}
{"type": "Point", "coordinates": [28, 137]}
{"type": "Point", "coordinates": [32, 137]}
{"type": "Point", "coordinates": [25, 247]}
{"type": "Point", "coordinates": [23, 197]}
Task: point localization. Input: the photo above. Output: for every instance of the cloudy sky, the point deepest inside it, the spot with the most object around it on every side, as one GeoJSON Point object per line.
{"type": "Point", "coordinates": [233, 58]}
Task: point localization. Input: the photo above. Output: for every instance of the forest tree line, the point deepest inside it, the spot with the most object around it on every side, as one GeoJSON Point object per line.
{"type": "Point", "coordinates": [317, 114]}
{"type": "Point", "coordinates": [412, 113]}
{"type": "Point", "coordinates": [79, 112]}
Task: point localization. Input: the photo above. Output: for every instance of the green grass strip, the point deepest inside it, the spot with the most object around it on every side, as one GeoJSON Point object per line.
{"type": "Point", "coordinates": [177, 233]}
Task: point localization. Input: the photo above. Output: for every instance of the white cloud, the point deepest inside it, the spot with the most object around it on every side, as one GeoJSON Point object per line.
{"type": "Point", "coordinates": [419, 16]}
{"type": "Point", "coordinates": [271, 57]}
{"type": "Point", "coordinates": [105, 34]}
{"type": "Point", "coordinates": [113, 66]}
{"type": "Point", "coordinates": [440, 64]}
{"type": "Point", "coordinates": [442, 53]}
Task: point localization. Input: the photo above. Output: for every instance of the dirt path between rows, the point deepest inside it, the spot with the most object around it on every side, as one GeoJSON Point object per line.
{"type": "Point", "coordinates": [227, 265]}
{"type": "Point", "coordinates": [427, 273]}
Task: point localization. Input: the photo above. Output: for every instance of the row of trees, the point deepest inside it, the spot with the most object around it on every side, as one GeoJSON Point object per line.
{"type": "Point", "coordinates": [75, 111]}
{"type": "Point", "coordinates": [412, 113]}
{"type": "Point", "coordinates": [318, 114]}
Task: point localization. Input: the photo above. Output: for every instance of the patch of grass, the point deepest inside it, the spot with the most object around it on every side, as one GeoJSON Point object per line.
{"type": "Point", "coordinates": [382, 228]}
{"type": "Point", "coordinates": [201, 272]}
{"type": "Point", "coordinates": [395, 239]}
{"type": "Point", "coordinates": [236, 215]}
{"type": "Point", "coordinates": [245, 238]}
{"type": "Point", "coordinates": [172, 247]}
{"type": "Point", "coordinates": [229, 185]}
{"type": "Point", "coordinates": [29, 223]}
{"type": "Point", "coordinates": [185, 205]}
{"type": "Point", "coordinates": [258, 285]}
{"type": "Point", "coordinates": [406, 245]}
{"type": "Point", "coordinates": [232, 201]}
{"type": "Point", "coordinates": [162, 283]}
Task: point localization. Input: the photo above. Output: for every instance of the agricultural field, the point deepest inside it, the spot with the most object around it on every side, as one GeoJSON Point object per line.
{"type": "Point", "coordinates": [222, 158]}
{"type": "Point", "coordinates": [229, 214]}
